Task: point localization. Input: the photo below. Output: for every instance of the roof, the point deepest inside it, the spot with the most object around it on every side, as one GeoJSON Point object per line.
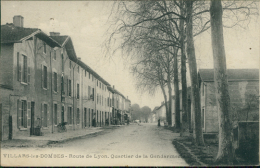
{"type": "Point", "coordinates": [87, 68]}
{"type": "Point", "coordinates": [233, 74]}
{"type": "Point", "coordinates": [14, 34]}
{"type": "Point", "coordinates": [66, 42]}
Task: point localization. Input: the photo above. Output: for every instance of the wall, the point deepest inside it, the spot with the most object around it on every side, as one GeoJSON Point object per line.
{"type": "Point", "coordinates": [238, 91]}
{"type": "Point", "coordinates": [6, 65]}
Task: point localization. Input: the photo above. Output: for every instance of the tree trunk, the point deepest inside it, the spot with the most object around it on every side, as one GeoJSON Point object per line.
{"type": "Point", "coordinates": [170, 98]}
{"type": "Point", "coordinates": [166, 104]}
{"type": "Point", "coordinates": [197, 133]}
{"type": "Point", "coordinates": [176, 91]}
{"type": "Point", "coordinates": [185, 120]}
{"type": "Point", "coordinates": [225, 152]}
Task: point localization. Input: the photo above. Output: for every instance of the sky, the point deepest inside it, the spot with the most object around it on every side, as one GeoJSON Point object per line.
{"type": "Point", "coordinates": [86, 22]}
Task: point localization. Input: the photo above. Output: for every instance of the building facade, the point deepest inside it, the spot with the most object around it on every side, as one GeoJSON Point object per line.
{"type": "Point", "coordinates": [44, 84]}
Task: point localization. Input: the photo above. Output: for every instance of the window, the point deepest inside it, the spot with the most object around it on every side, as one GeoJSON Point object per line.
{"type": "Point", "coordinates": [105, 88]}
{"type": "Point", "coordinates": [77, 91]}
{"type": "Point", "coordinates": [54, 54]}
{"type": "Point", "coordinates": [78, 116]}
{"type": "Point", "coordinates": [97, 82]}
{"type": "Point", "coordinates": [97, 98]}
{"type": "Point", "coordinates": [55, 81]}
{"type": "Point", "coordinates": [202, 117]}
{"type": "Point", "coordinates": [22, 113]}
{"type": "Point", "coordinates": [108, 101]}
{"type": "Point", "coordinates": [100, 85]}
{"type": "Point", "coordinates": [78, 69]}
{"type": "Point", "coordinates": [202, 88]}
{"type": "Point", "coordinates": [85, 73]}
{"type": "Point", "coordinates": [102, 100]}
{"type": "Point", "coordinates": [93, 93]}
{"type": "Point", "coordinates": [24, 69]}
{"type": "Point", "coordinates": [45, 115]}
{"type": "Point", "coordinates": [70, 65]}
{"type": "Point", "coordinates": [44, 76]}
{"type": "Point", "coordinates": [19, 69]}
{"type": "Point", "coordinates": [69, 87]}
{"type": "Point", "coordinates": [55, 114]}
{"type": "Point", "coordinates": [44, 48]}
{"type": "Point", "coordinates": [70, 116]}
{"type": "Point", "coordinates": [92, 78]}
{"type": "Point", "coordinates": [89, 92]}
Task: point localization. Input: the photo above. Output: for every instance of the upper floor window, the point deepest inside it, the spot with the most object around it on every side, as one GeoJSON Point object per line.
{"type": "Point", "coordinates": [89, 75]}
{"type": "Point", "coordinates": [55, 81]}
{"type": "Point", "coordinates": [54, 55]}
{"type": "Point", "coordinates": [97, 82]}
{"type": "Point", "coordinates": [69, 87]}
{"type": "Point", "coordinates": [24, 69]}
{"type": "Point", "coordinates": [44, 77]}
{"type": "Point", "coordinates": [89, 92]}
{"type": "Point", "coordinates": [85, 73]}
{"type": "Point", "coordinates": [44, 48]}
{"type": "Point", "coordinates": [92, 78]}
{"type": "Point", "coordinates": [78, 69]}
{"type": "Point", "coordinates": [100, 85]}
{"type": "Point", "coordinates": [77, 91]}
{"type": "Point", "coordinates": [70, 64]}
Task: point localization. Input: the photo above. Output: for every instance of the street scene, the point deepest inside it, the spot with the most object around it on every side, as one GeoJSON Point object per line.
{"type": "Point", "coordinates": [113, 146]}
{"type": "Point", "coordinates": [129, 83]}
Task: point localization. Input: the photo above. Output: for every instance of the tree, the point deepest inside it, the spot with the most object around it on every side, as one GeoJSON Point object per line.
{"type": "Point", "coordinates": [225, 151]}
{"type": "Point", "coordinates": [197, 128]}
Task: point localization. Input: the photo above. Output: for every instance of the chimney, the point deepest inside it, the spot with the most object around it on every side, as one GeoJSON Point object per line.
{"type": "Point", "coordinates": [79, 58]}
{"type": "Point", "coordinates": [18, 21]}
{"type": "Point", "coordinates": [54, 33]}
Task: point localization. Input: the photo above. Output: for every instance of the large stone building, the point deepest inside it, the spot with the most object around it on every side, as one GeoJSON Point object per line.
{"type": "Point", "coordinates": [243, 85]}
{"type": "Point", "coordinates": [44, 84]}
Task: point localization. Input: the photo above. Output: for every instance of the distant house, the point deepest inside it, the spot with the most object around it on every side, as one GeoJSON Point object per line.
{"type": "Point", "coordinates": [243, 85]}
{"type": "Point", "coordinates": [161, 111]}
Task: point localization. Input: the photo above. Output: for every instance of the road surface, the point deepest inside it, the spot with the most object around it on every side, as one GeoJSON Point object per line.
{"type": "Point", "coordinates": [133, 145]}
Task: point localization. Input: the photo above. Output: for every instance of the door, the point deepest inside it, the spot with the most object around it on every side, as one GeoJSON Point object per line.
{"type": "Point", "coordinates": [32, 118]}
{"type": "Point", "coordinates": [85, 117]}
{"type": "Point", "coordinates": [62, 114]}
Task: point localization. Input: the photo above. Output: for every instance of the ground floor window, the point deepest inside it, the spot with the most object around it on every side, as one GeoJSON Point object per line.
{"type": "Point", "coordinates": [22, 113]}
{"type": "Point", "coordinates": [45, 115]}
{"type": "Point", "coordinates": [70, 116]}
{"type": "Point", "coordinates": [55, 111]}
{"type": "Point", "coordinates": [78, 116]}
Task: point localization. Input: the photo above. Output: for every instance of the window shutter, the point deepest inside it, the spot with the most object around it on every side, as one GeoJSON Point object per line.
{"type": "Point", "coordinates": [19, 73]}
{"type": "Point", "coordinates": [25, 76]}
{"type": "Point", "coordinates": [25, 114]}
{"type": "Point", "coordinates": [49, 119]}
{"type": "Point", "coordinates": [42, 80]}
{"type": "Point", "coordinates": [29, 114]}
{"type": "Point", "coordinates": [42, 114]}
{"type": "Point", "coordinates": [68, 87]}
{"type": "Point", "coordinates": [28, 71]}
{"type": "Point", "coordinates": [52, 76]}
{"type": "Point", "coordinates": [68, 117]}
{"type": "Point", "coordinates": [19, 112]}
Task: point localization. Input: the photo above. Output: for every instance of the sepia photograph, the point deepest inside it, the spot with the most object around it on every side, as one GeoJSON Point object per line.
{"type": "Point", "coordinates": [129, 83]}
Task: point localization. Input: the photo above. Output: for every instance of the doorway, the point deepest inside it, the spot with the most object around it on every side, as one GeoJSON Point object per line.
{"type": "Point", "coordinates": [62, 114]}
{"type": "Point", "coordinates": [32, 118]}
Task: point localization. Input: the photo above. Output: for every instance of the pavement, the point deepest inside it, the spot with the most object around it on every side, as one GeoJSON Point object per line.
{"type": "Point", "coordinates": [38, 141]}
{"type": "Point", "coordinates": [141, 144]}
